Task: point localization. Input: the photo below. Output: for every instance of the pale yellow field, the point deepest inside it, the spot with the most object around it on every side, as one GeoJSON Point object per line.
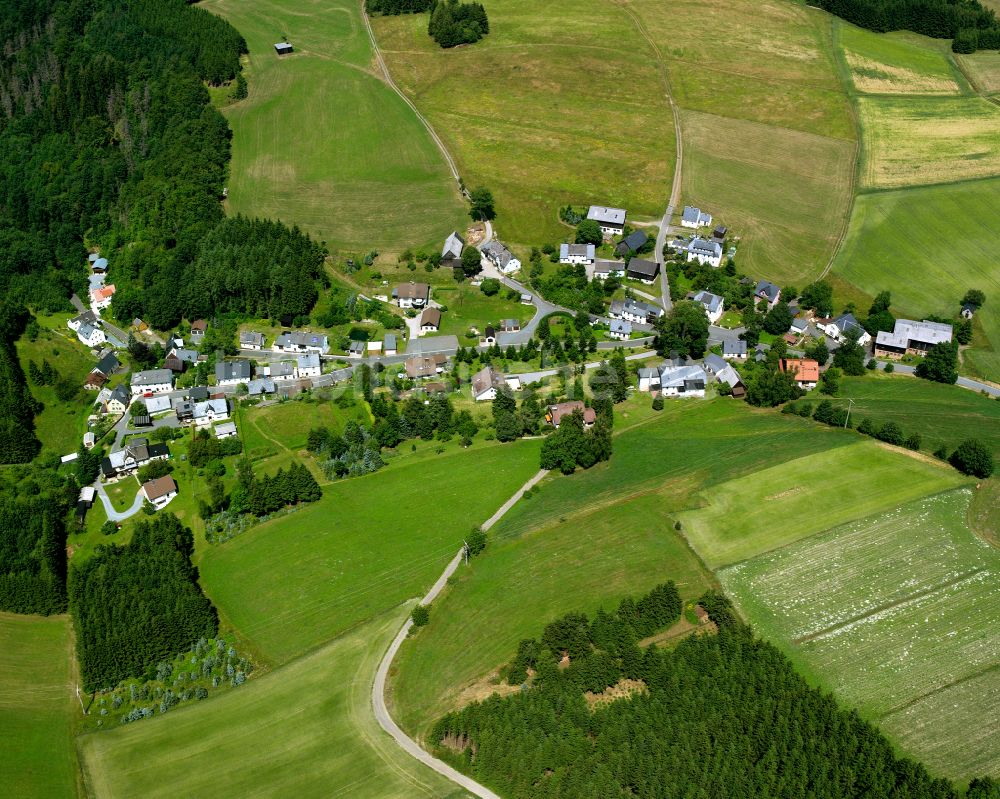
{"type": "Point", "coordinates": [877, 78]}
{"type": "Point", "coordinates": [984, 69]}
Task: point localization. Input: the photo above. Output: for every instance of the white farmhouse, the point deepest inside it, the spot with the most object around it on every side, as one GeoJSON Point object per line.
{"type": "Point", "coordinates": [611, 220]}
{"type": "Point", "coordinates": [695, 217]}
{"type": "Point", "coordinates": [576, 254]}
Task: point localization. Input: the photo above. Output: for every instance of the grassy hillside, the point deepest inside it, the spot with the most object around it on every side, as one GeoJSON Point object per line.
{"type": "Point", "coordinates": [36, 707]}
{"type": "Point", "coordinates": [898, 63]}
{"type": "Point", "coordinates": [928, 246]}
{"type": "Point", "coordinates": [983, 69]}
{"type": "Point", "coordinates": [322, 142]}
{"type": "Point", "coordinates": [305, 730]}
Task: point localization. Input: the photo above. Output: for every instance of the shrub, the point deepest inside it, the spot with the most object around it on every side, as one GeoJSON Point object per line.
{"type": "Point", "coordinates": [421, 614]}
{"type": "Point", "coordinates": [889, 368]}
{"type": "Point", "coordinates": [872, 365]}
{"type": "Point", "coordinates": [476, 542]}
{"type": "Point", "coordinates": [912, 442]}
{"type": "Point", "coordinates": [657, 403]}
{"type": "Point", "coordinates": [866, 427]}
{"type": "Point", "coordinates": [941, 453]}
{"type": "Point", "coordinates": [973, 457]}
{"type": "Point", "coordinates": [890, 433]}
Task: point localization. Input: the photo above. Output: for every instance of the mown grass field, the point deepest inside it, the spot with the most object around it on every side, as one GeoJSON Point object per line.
{"type": "Point", "coordinates": [322, 142]}
{"type": "Point", "coordinates": [928, 246]}
{"type": "Point", "coordinates": [468, 307]}
{"type": "Point", "coordinates": [983, 68]}
{"type": "Point", "coordinates": [922, 140]}
{"type": "Point", "coordinates": [372, 542]}
{"type": "Point", "coordinates": [898, 63]}
{"type": "Point", "coordinates": [304, 730]}
{"type": "Point", "coordinates": [560, 103]}
{"type": "Point", "coordinates": [781, 504]}
{"type": "Point", "coordinates": [36, 707]}
{"type": "Point", "coordinates": [889, 611]}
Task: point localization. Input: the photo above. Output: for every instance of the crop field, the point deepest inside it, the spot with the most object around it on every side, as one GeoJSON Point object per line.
{"type": "Point", "coordinates": [370, 543]}
{"type": "Point", "coordinates": [309, 726]}
{"type": "Point", "coordinates": [983, 68]}
{"type": "Point", "coordinates": [928, 246]}
{"type": "Point", "coordinates": [745, 517]}
{"type": "Point", "coordinates": [322, 142]}
{"type": "Point", "coordinates": [897, 63]}
{"type": "Point", "coordinates": [921, 140]}
{"type": "Point", "coordinates": [561, 103]}
{"type": "Point", "coordinates": [780, 190]}
{"type": "Point", "coordinates": [888, 611]}
{"type": "Point", "coordinates": [36, 710]}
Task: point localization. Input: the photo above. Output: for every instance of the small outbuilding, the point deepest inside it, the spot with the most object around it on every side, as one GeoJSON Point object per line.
{"type": "Point", "coordinates": [282, 48]}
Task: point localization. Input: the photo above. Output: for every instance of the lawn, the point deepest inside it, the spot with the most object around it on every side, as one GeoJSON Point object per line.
{"type": "Point", "coordinates": [928, 246]}
{"type": "Point", "coordinates": [795, 499]}
{"type": "Point", "coordinates": [922, 140]}
{"type": "Point", "coordinates": [780, 190]}
{"type": "Point", "coordinates": [322, 143]}
{"type": "Point", "coordinates": [36, 707]}
{"type": "Point", "coordinates": [898, 63]}
{"type": "Point", "coordinates": [304, 730]}
{"type": "Point", "coordinates": [889, 611]}
{"type": "Point", "coordinates": [561, 103]}
{"type": "Point", "coordinates": [287, 424]}
{"type": "Point", "coordinates": [370, 543]}
{"type": "Point", "coordinates": [468, 307]}
{"type": "Point", "coordinates": [519, 585]}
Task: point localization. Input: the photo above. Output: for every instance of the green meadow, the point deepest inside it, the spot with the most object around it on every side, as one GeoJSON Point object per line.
{"type": "Point", "coordinates": [36, 707]}
{"type": "Point", "coordinates": [928, 246]}
{"type": "Point", "coordinates": [322, 142]}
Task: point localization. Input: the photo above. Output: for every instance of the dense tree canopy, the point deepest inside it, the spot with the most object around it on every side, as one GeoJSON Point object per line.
{"type": "Point", "coordinates": [684, 330]}
{"type": "Point", "coordinates": [453, 23]}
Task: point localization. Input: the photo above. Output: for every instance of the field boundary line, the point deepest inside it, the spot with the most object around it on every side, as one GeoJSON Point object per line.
{"type": "Point", "coordinates": [939, 689]}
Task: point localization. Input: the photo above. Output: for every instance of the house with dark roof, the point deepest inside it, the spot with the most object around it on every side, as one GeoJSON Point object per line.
{"type": "Point", "coordinates": [283, 48]}
{"type": "Point", "coordinates": [300, 341]}
{"type": "Point", "coordinates": [843, 327]}
{"type": "Point", "coordinates": [631, 243]}
{"type": "Point", "coordinates": [107, 366]}
{"type": "Point", "coordinates": [260, 386]}
{"type": "Point", "coordinates": [734, 350]}
{"type": "Point", "coordinates": [768, 292]}
{"type": "Point", "coordinates": [310, 365]}
{"type": "Point", "coordinates": [714, 363]}
{"type": "Point", "coordinates": [704, 251]}
{"type": "Point", "coordinates": [251, 340]}
{"type": "Point", "coordinates": [620, 329]}
{"type": "Point", "coordinates": [231, 373]}
{"type": "Point", "coordinates": [712, 303]}
{"type": "Point", "coordinates": [642, 270]}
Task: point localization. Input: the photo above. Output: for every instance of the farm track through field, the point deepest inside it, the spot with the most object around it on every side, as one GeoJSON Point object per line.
{"type": "Point", "coordinates": [940, 689]}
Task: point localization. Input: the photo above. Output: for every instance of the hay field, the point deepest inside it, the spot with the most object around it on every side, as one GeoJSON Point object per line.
{"type": "Point", "coordinates": [322, 142]}
{"type": "Point", "coordinates": [897, 63]}
{"type": "Point", "coordinates": [983, 69]}
{"type": "Point", "coordinates": [923, 140]}
{"type": "Point", "coordinates": [785, 192]}
{"type": "Point", "coordinates": [889, 611]}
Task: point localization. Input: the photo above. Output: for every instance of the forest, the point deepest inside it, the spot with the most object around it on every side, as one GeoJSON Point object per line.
{"type": "Point", "coordinates": [720, 716]}
{"type": "Point", "coordinates": [32, 554]}
{"type": "Point", "coordinates": [139, 604]}
{"type": "Point", "coordinates": [17, 407]}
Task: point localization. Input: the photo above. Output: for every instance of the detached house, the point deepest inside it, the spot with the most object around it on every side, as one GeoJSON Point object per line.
{"type": "Point", "coordinates": [107, 366]}
{"type": "Point", "coordinates": [430, 320]}
{"type": "Point", "coordinates": [768, 292]}
{"type": "Point", "coordinates": [260, 386]}
{"type": "Point", "coordinates": [412, 295]}
{"type": "Point", "coordinates": [279, 371]}
{"type": "Point", "coordinates": [620, 330]}
{"type": "Point", "coordinates": [634, 311]}
{"type": "Point", "coordinates": [633, 242]}
{"type": "Point", "coordinates": [309, 366]}
{"type": "Point", "coordinates": [604, 269]}
{"type": "Point", "coordinates": [131, 458]}
{"type": "Point", "coordinates": [198, 328]}
{"type": "Point", "coordinates": [486, 383]}
{"type": "Point", "coordinates": [251, 340]}
{"type": "Point", "coordinates": [502, 258]}
{"type": "Point", "coordinates": [118, 400]}
{"type": "Point", "coordinates": [611, 220]}
{"type": "Point", "coordinates": [843, 327]}
{"type": "Point", "coordinates": [232, 373]}
{"type": "Point", "coordinates": [101, 297]}
{"type": "Point", "coordinates": [91, 335]}
{"type": "Point", "coordinates": [804, 370]}
{"type": "Point", "coordinates": [732, 378]}
{"type": "Point", "coordinates": [734, 350]}
{"type": "Point", "coordinates": [451, 253]}
{"type": "Point", "coordinates": [712, 303]}
{"type": "Point", "coordinates": [160, 491]}
{"type": "Point", "coordinates": [554, 414]}
{"type": "Point", "coordinates": [674, 381]}
{"type": "Point", "coordinates": [642, 270]}
{"type": "Point", "coordinates": [152, 381]}
{"type": "Point", "coordinates": [209, 411]}
{"type": "Point", "coordinates": [421, 366]}
{"type": "Point", "coordinates": [302, 341]}
{"type": "Point", "coordinates": [704, 251]}
{"type": "Point", "coordinates": [911, 338]}
{"type": "Point", "coordinates": [178, 359]}
{"type": "Point", "coordinates": [695, 218]}
{"type": "Point", "coordinates": [577, 254]}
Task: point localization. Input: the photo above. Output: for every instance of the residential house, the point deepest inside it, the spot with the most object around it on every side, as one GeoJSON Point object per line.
{"type": "Point", "coordinates": [486, 383]}
{"type": "Point", "coordinates": [251, 340]}
{"type": "Point", "coordinates": [768, 292]}
{"type": "Point", "coordinates": [302, 341]}
{"type": "Point", "coordinates": [633, 242]}
{"type": "Point", "coordinates": [356, 349]}
{"type": "Point", "coordinates": [430, 320]}
{"type": "Point", "coordinates": [184, 409]}
{"type": "Point", "coordinates": [554, 413]}
{"type": "Point", "coordinates": [91, 335]}
{"type": "Point", "coordinates": [412, 295]}
{"type": "Point", "coordinates": [843, 327]}
{"type": "Point", "coordinates": [635, 311]}
{"type": "Point", "coordinates": [911, 338]}
{"type": "Point", "coordinates": [611, 220]}
{"type": "Point", "coordinates": [389, 346]}
{"type": "Point", "coordinates": [735, 350]}
{"type": "Point", "coordinates": [198, 328]}
{"type": "Point", "coordinates": [804, 370]}
{"type": "Point", "coordinates": [178, 359]}
{"type": "Point", "coordinates": [85, 318]}
{"type": "Point", "coordinates": [642, 270]}
{"type": "Point", "coordinates": [279, 371]}
{"type": "Point", "coordinates": [232, 373]}
{"type": "Point", "coordinates": [152, 381]}
{"type": "Point", "coordinates": [799, 326]}
{"type": "Point", "coordinates": [712, 303]}
{"type": "Point", "coordinates": [509, 325]}
{"type": "Point", "coordinates": [198, 393]}
{"type": "Point", "coordinates": [107, 365]}
{"type": "Point", "coordinates": [576, 254]}
{"type": "Point", "coordinates": [94, 381]}
{"type": "Point", "coordinates": [260, 386]}
{"type": "Point", "coordinates": [101, 297]}
{"type": "Point", "coordinates": [99, 265]}
{"type": "Point", "coordinates": [136, 454]}
{"type": "Point", "coordinates": [715, 363]}
{"type": "Point", "coordinates": [421, 366]}
{"type": "Point", "coordinates": [209, 411]}
{"type": "Point", "coordinates": [682, 381]}
{"type": "Point", "coordinates": [604, 269]}
{"type": "Point", "coordinates": [502, 258]}
{"type": "Point", "coordinates": [451, 253]}
{"type": "Point", "coordinates": [310, 366]}
{"type": "Point", "coordinates": [704, 251]}
{"type": "Point", "coordinates": [732, 378]}
{"type": "Point", "coordinates": [679, 244]}
{"type": "Point", "coordinates": [620, 329]}
{"type": "Point", "coordinates": [118, 400]}
{"type": "Point", "coordinates": [156, 405]}
{"type": "Point", "coordinates": [489, 336]}
{"type": "Point", "coordinates": [160, 491]}
{"type": "Point", "coordinates": [695, 218]}
{"type": "Point", "coordinates": [226, 430]}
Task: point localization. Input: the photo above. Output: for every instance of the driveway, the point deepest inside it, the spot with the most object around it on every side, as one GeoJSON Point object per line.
{"type": "Point", "coordinates": [115, 515]}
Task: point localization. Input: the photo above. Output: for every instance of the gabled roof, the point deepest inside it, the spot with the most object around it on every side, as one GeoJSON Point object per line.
{"type": "Point", "coordinates": [485, 379]}
{"type": "Point", "coordinates": [557, 412]}
{"type": "Point", "coordinates": [260, 385]}
{"type": "Point", "coordinates": [695, 216]}
{"type": "Point", "coordinates": [121, 394]}
{"type": "Point", "coordinates": [603, 267]}
{"type": "Point", "coordinates": [160, 487]}
{"type": "Point", "coordinates": [737, 347]}
{"type": "Point", "coordinates": [632, 242]}
{"type": "Point", "coordinates": [678, 376]}
{"type": "Point", "coordinates": [576, 251]}
{"type": "Point", "coordinates": [412, 291]}
{"type": "Point", "coordinates": [453, 246]}
{"type": "Point", "coordinates": [701, 246]}
{"type": "Point", "coordinates": [805, 370]}
{"type": "Point", "coordinates": [715, 363]}
{"type": "Point", "coordinates": [767, 289]}
{"type": "Point", "coordinates": [907, 330]}
{"type": "Point", "coordinates": [152, 377]}
{"type": "Point", "coordinates": [640, 266]}
{"type": "Point", "coordinates": [250, 338]}
{"type": "Point", "coordinates": [431, 316]}
{"type": "Point", "coordinates": [621, 326]}
{"type": "Point", "coordinates": [712, 302]}
{"type": "Point", "coordinates": [390, 341]}
{"type": "Point", "coordinates": [311, 361]}
{"type": "Point", "coordinates": [609, 216]}
{"type": "Point", "coordinates": [107, 365]}
{"type": "Point", "coordinates": [232, 370]}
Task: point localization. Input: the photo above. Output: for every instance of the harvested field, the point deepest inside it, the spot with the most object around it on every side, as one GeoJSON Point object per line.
{"type": "Point", "coordinates": [983, 69]}
{"type": "Point", "coordinates": [897, 63]}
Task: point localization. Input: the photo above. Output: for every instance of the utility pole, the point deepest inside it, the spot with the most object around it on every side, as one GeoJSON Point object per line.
{"type": "Point", "coordinates": [465, 551]}
{"type": "Point", "coordinates": [850, 406]}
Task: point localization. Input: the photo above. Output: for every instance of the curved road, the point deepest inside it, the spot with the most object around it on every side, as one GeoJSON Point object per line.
{"type": "Point", "coordinates": [385, 721]}
{"type": "Point", "coordinates": [119, 516]}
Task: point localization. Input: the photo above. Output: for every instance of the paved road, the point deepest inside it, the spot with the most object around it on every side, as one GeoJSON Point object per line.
{"type": "Point", "coordinates": [534, 377]}
{"type": "Point", "coordinates": [378, 688]}
{"type": "Point", "coordinates": [964, 382]}
{"type": "Point", "coordinates": [114, 515]}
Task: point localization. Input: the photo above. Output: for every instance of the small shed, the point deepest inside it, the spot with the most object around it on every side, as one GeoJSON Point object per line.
{"type": "Point", "coordinates": [282, 48]}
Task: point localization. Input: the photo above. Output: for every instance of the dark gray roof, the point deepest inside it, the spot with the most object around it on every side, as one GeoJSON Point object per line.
{"type": "Point", "coordinates": [107, 364]}
{"type": "Point", "coordinates": [770, 290]}
{"type": "Point", "coordinates": [640, 266]}
{"type": "Point", "coordinates": [633, 241]}
{"type": "Point", "coordinates": [232, 370]}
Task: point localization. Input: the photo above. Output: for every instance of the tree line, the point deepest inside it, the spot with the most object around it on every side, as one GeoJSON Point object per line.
{"type": "Point", "coordinates": [453, 23]}
{"type": "Point", "coordinates": [18, 407]}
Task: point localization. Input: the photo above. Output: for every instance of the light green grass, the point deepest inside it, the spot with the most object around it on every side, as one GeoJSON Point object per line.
{"type": "Point", "coordinates": [367, 545]}
{"type": "Point", "coordinates": [888, 611]}
{"type": "Point", "coordinates": [321, 142]}
{"type": "Point", "coordinates": [468, 307]}
{"type": "Point", "coordinates": [784, 503]}
{"type": "Point", "coordinates": [304, 730]}
{"type": "Point", "coordinates": [36, 710]}
{"type": "Point", "coordinates": [983, 69]}
{"type": "Point", "coordinates": [562, 102]}
{"type": "Point", "coordinates": [928, 246]}
{"type": "Point", "coordinates": [289, 423]}
{"type": "Point", "coordinates": [519, 585]}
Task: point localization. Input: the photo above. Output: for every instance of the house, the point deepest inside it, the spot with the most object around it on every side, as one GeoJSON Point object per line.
{"type": "Point", "coordinates": [99, 265]}
{"type": "Point", "coordinates": [260, 386]}
{"type": "Point", "coordinates": [178, 358]}
{"type": "Point", "coordinates": [526, 299]}
{"type": "Point", "coordinates": [156, 405]}
{"type": "Point", "coordinates": [634, 311]}
{"type": "Point", "coordinates": [620, 329]}
{"type": "Point", "coordinates": [649, 378]}
{"type": "Point", "coordinates": [486, 383]}
{"type": "Point", "coordinates": [435, 388]}
{"type": "Point", "coordinates": [768, 292]}
{"type": "Point", "coordinates": [682, 381]}
{"type": "Point", "coordinates": [107, 366]}
{"type": "Point", "coordinates": [152, 381]}
{"type": "Point", "coordinates": [679, 244]}
{"type": "Point", "coordinates": [719, 234]}
{"type": "Point", "coordinates": [911, 338]}
{"type": "Point", "coordinates": [211, 410]}
{"type": "Point", "coordinates": [310, 366]}
{"type": "Point", "coordinates": [502, 258]}
{"type": "Point", "coordinates": [843, 327]}
{"type": "Point", "coordinates": [695, 217]}
{"type": "Point", "coordinates": [576, 254]}
{"type": "Point", "coordinates": [430, 320]}
{"type": "Point", "coordinates": [611, 220]}
{"type": "Point", "coordinates": [251, 340]}
{"type": "Point", "coordinates": [704, 251]}
{"type": "Point", "coordinates": [642, 270]}
{"type": "Point", "coordinates": [226, 430]}
{"type": "Point", "coordinates": [302, 341]}
{"type": "Point", "coordinates": [184, 410]}
{"type": "Point", "coordinates": [132, 457]}
{"type": "Point", "coordinates": [735, 350]}
{"type": "Point", "coordinates": [389, 346]}
{"type": "Point", "coordinates": [732, 378]}
{"type": "Point", "coordinates": [94, 381]}
{"type": "Point", "coordinates": [631, 243]}
{"type": "Point", "coordinates": [412, 295]}
{"type": "Point", "coordinates": [283, 48]}
{"type": "Point", "coordinates": [117, 402]}
{"type": "Point", "coordinates": [198, 328]}
{"type": "Point", "coordinates": [555, 413]}
{"type": "Point", "coordinates": [89, 439]}
{"type": "Point", "coordinates": [198, 393]}
{"type": "Point", "coordinates": [715, 363]}
{"type": "Point", "coordinates": [420, 366]}
{"type": "Point", "coordinates": [279, 371]}
{"type": "Point", "coordinates": [604, 269]}
{"type": "Point", "coordinates": [712, 303]}
{"type": "Point", "coordinates": [86, 318]}
{"type": "Point", "coordinates": [160, 491]}
{"type": "Point", "coordinates": [804, 370]}
{"type": "Point", "coordinates": [101, 297]}
{"type": "Point", "coordinates": [509, 325]}
{"type": "Point", "coordinates": [489, 336]}
{"type": "Point", "coordinates": [232, 373]}
{"type": "Point", "coordinates": [374, 348]}
{"type": "Point", "coordinates": [451, 253]}
{"type": "Point", "coordinates": [357, 349]}
{"type": "Point", "coordinates": [968, 310]}
{"type": "Point", "coordinates": [799, 326]}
